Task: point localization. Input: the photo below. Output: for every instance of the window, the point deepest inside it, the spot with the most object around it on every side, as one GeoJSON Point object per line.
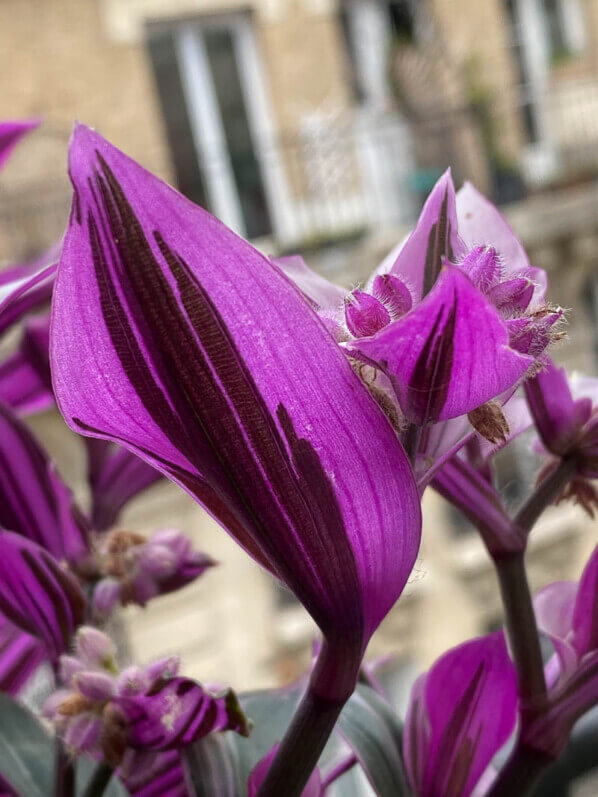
{"type": "Point", "coordinates": [203, 71]}
{"type": "Point", "coordinates": [528, 112]}
{"type": "Point", "coordinates": [564, 28]}
{"type": "Point", "coordinates": [369, 28]}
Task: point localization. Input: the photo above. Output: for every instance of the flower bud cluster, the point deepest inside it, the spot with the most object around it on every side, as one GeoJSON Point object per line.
{"type": "Point", "coordinates": [84, 711]}
{"type": "Point", "coordinates": [136, 569]}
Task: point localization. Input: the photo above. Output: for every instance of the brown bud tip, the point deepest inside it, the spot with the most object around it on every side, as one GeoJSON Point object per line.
{"type": "Point", "coordinates": [120, 541]}
{"type": "Point", "coordinates": [489, 421]}
{"type": "Point", "coordinates": [582, 493]}
{"type": "Point", "coordinates": [73, 705]}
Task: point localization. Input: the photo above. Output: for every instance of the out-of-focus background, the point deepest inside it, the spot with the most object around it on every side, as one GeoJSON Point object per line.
{"type": "Point", "coordinates": [318, 126]}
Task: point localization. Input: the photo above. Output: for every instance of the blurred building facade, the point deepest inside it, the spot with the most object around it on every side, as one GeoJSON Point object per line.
{"type": "Point", "coordinates": [303, 123]}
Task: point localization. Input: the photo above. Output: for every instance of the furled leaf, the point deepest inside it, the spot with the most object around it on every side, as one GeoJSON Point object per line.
{"type": "Point", "coordinates": [34, 501]}
{"type": "Point", "coordinates": [37, 594]}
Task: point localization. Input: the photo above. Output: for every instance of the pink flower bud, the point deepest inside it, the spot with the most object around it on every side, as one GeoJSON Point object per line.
{"type": "Point", "coordinates": [133, 681]}
{"type": "Point", "coordinates": [173, 539]}
{"type": "Point", "coordinates": [53, 701]}
{"type": "Point", "coordinates": [69, 667]}
{"type": "Point", "coordinates": [83, 732]}
{"type": "Point", "coordinates": [163, 668]}
{"type": "Point", "coordinates": [94, 648]}
{"type": "Point", "coordinates": [156, 559]}
{"type": "Point", "coordinates": [106, 595]}
{"type": "Point", "coordinates": [96, 686]}
{"type": "Point", "coordinates": [142, 587]}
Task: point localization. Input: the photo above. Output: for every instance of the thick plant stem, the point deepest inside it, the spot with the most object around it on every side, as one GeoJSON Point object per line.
{"type": "Point", "coordinates": [520, 773]}
{"type": "Point", "coordinates": [99, 780]}
{"type": "Point", "coordinates": [548, 490]}
{"type": "Point", "coordinates": [522, 628]}
{"type": "Point", "coordinates": [64, 771]}
{"type": "Point", "coordinates": [311, 726]}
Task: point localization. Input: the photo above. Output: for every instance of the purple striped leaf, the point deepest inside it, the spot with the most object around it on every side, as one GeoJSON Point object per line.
{"type": "Point", "coordinates": [449, 355]}
{"type": "Point", "coordinates": [25, 379]}
{"type": "Point", "coordinates": [115, 476]}
{"type": "Point", "coordinates": [177, 712]}
{"type": "Point", "coordinates": [461, 712]}
{"type": "Point", "coordinates": [34, 501]}
{"type": "Point", "coordinates": [27, 287]}
{"type": "Point", "coordinates": [20, 656]}
{"type": "Point", "coordinates": [11, 133]}
{"type": "Point", "coordinates": [175, 337]}
{"type": "Point", "coordinates": [37, 594]}
{"type": "Point", "coordinates": [434, 239]}
{"type": "Point", "coordinates": [164, 778]}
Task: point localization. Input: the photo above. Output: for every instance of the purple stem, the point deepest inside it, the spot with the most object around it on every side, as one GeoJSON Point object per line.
{"type": "Point", "coordinates": [521, 626]}
{"type": "Point", "coordinates": [64, 771]}
{"type": "Point", "coordinates": [343, 766]}
{"type": "Point", "coordinates": [331, 684]}
{"type": "Point", "coordinates": [526, 764]}
{"type": "Point", "coordinates": [544, 495]}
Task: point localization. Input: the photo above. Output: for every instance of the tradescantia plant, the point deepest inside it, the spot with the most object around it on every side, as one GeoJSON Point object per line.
{"type": "Point", "coordinates": [308, 421]}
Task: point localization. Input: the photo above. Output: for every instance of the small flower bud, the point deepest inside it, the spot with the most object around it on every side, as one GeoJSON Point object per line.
{"type": "Point", "coordinates": [69, 667]}
{"type": "Point", "coordinates": [53, 703]}
{"type": "Point", "coordinates": [364, 314]}
{"type": "Point", "coordinates": [94, 648]}
{"type": "Point", "coordinates": [97, 686]}
{"type": "Point", "coordinates": [106, 595]}
{"type": "Point", "coordinates": [173, 539]}
{"type": "Point", "coordinates": [162, 669]}
{"type": "Point", "coordinates": [157, 560]}
{"type": "Point", "coordinates": [142, 588]}
{"type": "Point", "coordinates": [393, 293]}
{"type": "Point", "coordinates": [133, 681]}
{"type": "Point", "coordinates": [83, 732]}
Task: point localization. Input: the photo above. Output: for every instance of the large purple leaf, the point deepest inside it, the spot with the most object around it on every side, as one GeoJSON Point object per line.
{"type": "Point", "coordinates": [34, 501]}
{"type": "Point", "coordinates": [433, 240]}
{"type": "Point", "coordinates": [177, 338]}
{"type": "Point", "coordinates": [447, 356]}
{"type": "Point", "coordinates": [37, 594]}
{"type": "Point", "coordinates": [20, 656]}
{"type": "Point", "coordinates": [10, 134]}
{"type": "Point", "coordinates": [469, 711]}
{"type": "Point", "coordinates": [177, 712]}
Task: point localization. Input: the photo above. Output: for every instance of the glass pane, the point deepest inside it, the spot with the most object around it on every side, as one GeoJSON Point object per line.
{"type": "Point", "coordinates": [246, 170]}
{"type": "Point", "coordinates": [174, 110]}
